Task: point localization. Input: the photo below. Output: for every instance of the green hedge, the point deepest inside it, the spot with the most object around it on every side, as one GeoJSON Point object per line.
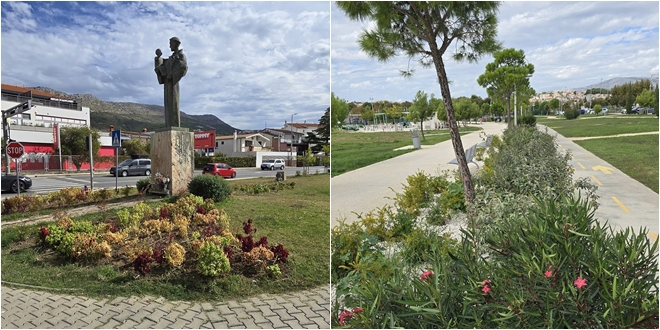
{"type": "Point", "coordinates": [200, 161]}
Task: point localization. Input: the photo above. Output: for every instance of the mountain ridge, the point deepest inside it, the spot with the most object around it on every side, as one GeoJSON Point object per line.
{"type": "Point", "coordinates": [141, 116]}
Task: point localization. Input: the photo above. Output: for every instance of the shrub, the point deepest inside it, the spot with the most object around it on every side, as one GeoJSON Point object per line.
{"type": "Point", "coordinates": [210, 186]}
{"type": "Point", "coordinates": [527, 119]}
{"type": "Point", "coordinates": [416, 194]}
{"type": "Point", "coordinates": [571, 113]}
{"type": "Point", "coordinates": [175, 254]}
{"type": "Point", "coordinates": [212, 260]}
{"type": "Point", "coordinates": [556, 268]}
{"type": "Point", "coordinates": [142, 185]}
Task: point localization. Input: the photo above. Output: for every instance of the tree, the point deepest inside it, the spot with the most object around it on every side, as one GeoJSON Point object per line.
{"type": "Point", "coordinates": [485, 108]}
{"type": "Point", "coordinates": [73, 142]}
{"type": "Point", "coordinates": [339, 109]}
{"type": "Point", "coordinates": [395, 112]}
{"type": "Point", "coordinates": [655, 101]}
{"type": "Point", "coordinates": [320, 137]}
{"type": "Point", "coordinates": [506, 74]}
{"type": "Point", "coordinates": [465, 109]}
{"type": "Point", "coordinates": [597, 109]}
{"type": "Point", "coordinates": [645, 98]}
{"type": "Point", "coordinates": [425, 30]}
{"type": "Point", "coordinates": [422, 109]}
{"type": "Point", "coordinates": [629, 99]}
{"type": "Point", "coordinates": [554, 104]}
{"type": "Point", "coordinates": [136, 147]}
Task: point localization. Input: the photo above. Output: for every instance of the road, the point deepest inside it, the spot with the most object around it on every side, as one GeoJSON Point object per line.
{"type": "Point", "coordinates": [44, 183]}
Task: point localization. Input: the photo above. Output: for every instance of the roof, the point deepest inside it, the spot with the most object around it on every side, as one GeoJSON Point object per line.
{"type": "Point", "coordinates": [19, 89]}
{"type": "Point", "coordinates": [304, 125]}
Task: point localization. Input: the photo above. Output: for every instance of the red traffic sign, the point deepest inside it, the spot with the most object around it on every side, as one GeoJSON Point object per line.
{"type": "Point", "coordinates": [15, 150]}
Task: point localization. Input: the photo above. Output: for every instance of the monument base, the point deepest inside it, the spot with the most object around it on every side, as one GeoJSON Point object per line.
{"type": "Point", "coordinates": [173, 157]}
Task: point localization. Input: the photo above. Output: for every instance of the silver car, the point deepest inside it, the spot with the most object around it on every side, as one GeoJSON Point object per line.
{"type": "Point", "coordinates": [133, 167]}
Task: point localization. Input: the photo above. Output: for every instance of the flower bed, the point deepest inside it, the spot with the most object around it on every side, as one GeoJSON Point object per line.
{"type": "Point", "coordinates": [189, 236]}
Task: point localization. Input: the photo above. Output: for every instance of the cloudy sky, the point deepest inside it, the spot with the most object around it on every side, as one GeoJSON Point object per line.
{"type": "Point", "coordinates": [571, 44]}
{"type": "Point", "coordinates": [250, 63]}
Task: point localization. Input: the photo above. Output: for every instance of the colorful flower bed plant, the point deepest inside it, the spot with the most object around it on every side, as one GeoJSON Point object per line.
{"type": "Point", "coordinates": [191, 235]}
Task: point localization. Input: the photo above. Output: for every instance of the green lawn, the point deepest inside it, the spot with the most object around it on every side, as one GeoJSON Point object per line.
{"type": "Point", "coordinates": [298, 218]}
{"type": "Point", "coordinates": [353, 150]}
{"type": "Point", "coordinates": [637, 156]}
{"type": "Point", "coordinates": [601, 125]}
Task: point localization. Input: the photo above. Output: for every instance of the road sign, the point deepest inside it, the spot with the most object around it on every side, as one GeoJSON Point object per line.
{"type": "Point", "coordinates": [15, 150]}
{"type": "Point", "coordinates": [116, 138]}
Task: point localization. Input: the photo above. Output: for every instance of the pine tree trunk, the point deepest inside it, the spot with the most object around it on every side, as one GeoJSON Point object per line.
{"type": "Point", "coordinates": [421, 124]}
{"type": "Point", "coordinates": [453, 129]}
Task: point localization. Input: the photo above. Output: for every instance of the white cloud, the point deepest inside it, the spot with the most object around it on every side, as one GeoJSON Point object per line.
{"type": "Point", "coordinates": [248, 62]}
{"type": "Point", "coordinates": [571, 44]}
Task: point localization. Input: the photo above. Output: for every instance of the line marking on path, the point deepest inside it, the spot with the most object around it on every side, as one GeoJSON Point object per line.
{"type": "Point", "coordinates": [598, 182]}
{"type": "Point", "coordinates": [653, 235]}
{"type": "Point", "coordinates": [625, 209]}
{"type": "Point", "coordinates": [604, 169]}
{"type": "Point", "coordinates": [584, 168]}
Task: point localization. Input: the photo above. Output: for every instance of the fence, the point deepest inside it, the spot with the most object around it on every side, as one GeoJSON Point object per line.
{"type": "Point", "coordinates": [43, 162]}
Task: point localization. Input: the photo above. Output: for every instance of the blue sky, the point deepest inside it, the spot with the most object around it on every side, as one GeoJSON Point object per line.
{"type": "Point", "coordinates": [250, 63]}
{"type": "Point", "coordinates": [571, 44]}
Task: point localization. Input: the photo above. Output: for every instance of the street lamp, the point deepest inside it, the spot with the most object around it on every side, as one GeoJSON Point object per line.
{"type": "Point", "coordinates": [515, 101]}
{"type": "Point", "coordinates": [291, 147]}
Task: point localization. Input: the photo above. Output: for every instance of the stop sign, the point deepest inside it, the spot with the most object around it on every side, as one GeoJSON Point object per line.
{"type": "Point", "coordinates": [15, 150]}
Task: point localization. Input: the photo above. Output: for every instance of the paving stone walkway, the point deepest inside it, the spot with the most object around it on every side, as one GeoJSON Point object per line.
{"type": "Point", "coordinates": [23, 308]}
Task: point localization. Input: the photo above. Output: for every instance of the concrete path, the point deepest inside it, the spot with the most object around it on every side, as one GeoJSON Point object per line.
{"type": "Point", "coordinates": [367, 188]}
{"type": "Point", "coordinates": [624, 202]}
{"type": "Point", "coordinates": [23, 309]}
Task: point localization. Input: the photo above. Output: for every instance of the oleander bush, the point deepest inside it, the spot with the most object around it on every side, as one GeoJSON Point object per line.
{"type": "Point", "coordinates": [531, 255]}
{"type": "Point", "coordinates": [571, 113]}
{"type": "Point", "coordinates": [210, 186]}
{"type": "Point", "coordinates": [559, 268]}
{"type": "Point", "coordinates": [527, 119]}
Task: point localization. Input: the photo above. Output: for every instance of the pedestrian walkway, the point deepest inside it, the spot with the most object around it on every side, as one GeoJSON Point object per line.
{"type": "Point", "coordinates": [624, 202]}
{"type": "Point", "coordinates": [365, 189]}
{"type": "Point", "coordinates": [23, 308]}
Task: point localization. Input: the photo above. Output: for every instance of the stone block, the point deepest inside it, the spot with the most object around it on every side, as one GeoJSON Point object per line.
{"type": "Point", "coordinates": [172, 155]}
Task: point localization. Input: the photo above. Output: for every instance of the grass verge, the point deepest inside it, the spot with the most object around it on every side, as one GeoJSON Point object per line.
{"type": "Point", "coordinates": [619, 152]}
{"type": "Point", "coordinates": [602, 126]}
{"type": "Point", "coordinates": [297, 218]}
{"type": "Point", "coordinates": [353, 150]}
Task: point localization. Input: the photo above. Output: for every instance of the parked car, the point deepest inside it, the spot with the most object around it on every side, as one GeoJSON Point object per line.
{"type": "Point", "coordinates": [220, 169]}
{"type": "Point", "coordinates": [9, 182]}
{"type": "Point", "coordinates": [635, 110]}
{"type": "Point", "coordinates": [272, 164]}
{"type": "Point", "coordinates": [133, 167]}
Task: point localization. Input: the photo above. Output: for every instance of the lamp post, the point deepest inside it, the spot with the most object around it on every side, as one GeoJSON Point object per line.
{"type": "Point", "coordinates": [515, 101]}
{"type": "Point", "coordinates": [291, 147]}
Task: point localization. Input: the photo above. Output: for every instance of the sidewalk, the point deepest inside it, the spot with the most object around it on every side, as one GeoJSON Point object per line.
{"type": "Point", "coordinates": [367, 188]}
{"type": "Point", "coordinates": [23, 308]}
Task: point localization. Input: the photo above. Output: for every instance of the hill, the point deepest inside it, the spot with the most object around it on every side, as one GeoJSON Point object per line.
{"type": "Point", "coordinates": [608, 84]}
{"type": "Point", "coordinates": [131, 116]}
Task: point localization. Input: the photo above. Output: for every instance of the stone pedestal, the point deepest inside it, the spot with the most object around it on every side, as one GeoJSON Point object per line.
{"type": "Point", "coordinates": [172, 155]}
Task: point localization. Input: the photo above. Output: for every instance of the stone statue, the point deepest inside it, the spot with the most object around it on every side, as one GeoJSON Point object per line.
{"type": "Point", "coordinates": [169, 71]}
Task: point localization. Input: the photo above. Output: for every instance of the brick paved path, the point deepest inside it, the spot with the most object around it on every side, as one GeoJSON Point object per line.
{"type": "Point", "coordinates": [23, 308]}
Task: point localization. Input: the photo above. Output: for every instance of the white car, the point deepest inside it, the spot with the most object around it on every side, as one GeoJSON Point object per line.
{"type": "Point", "coordinates": [272, 164]}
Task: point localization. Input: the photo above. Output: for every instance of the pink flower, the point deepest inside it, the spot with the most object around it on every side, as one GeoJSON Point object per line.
{"type": "Point", "coordinates": [580, 282]}
{"type": "Point", "coordinates": [485, 282]}
{"type": "Point", "coordinates": [358, 310]}
{"type": "Point", "coordinates": [426, 275]}
{"type": "Point", "coordinates": [344, 317]}
{"type": "Point", "coordinates": [548, 273]}
{"type": "Point", "coordinates": [486, 289]}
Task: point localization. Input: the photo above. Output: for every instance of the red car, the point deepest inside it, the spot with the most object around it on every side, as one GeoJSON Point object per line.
{"type": "Point", "coordinates": [221, 169]}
